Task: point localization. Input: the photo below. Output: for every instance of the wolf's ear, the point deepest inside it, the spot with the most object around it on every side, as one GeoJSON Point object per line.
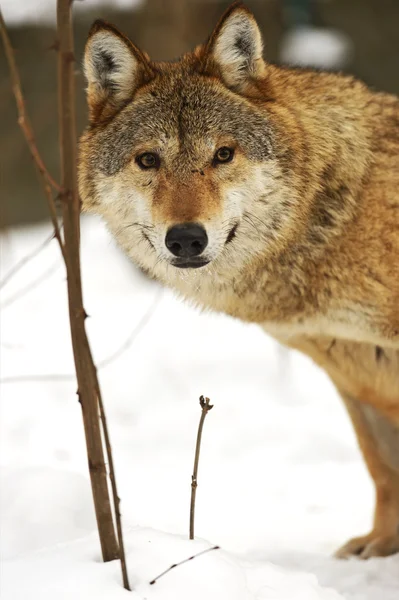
{"type": "Point", "coordinates": [114, 69]}
{"type": "Point", "coordinates": [236, 46]}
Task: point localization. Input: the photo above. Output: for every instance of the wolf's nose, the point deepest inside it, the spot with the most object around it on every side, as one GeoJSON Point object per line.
{"type": "Point", "coordinates": [186, 240]}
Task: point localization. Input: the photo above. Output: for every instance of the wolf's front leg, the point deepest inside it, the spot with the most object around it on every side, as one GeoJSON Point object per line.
{"type": "Point", "coordinates": [378, 439]}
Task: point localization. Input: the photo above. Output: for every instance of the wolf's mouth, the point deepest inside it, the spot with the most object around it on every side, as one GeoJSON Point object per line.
{"type": "Point", "coordinates": [190, 264]}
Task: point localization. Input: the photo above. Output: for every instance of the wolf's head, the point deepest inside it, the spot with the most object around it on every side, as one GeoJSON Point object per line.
{"type": "Point", "coordinates": [186, 160]}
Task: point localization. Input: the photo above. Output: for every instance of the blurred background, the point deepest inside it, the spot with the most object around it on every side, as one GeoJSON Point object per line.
{"type": "Point", "coordinates": [356, 36]}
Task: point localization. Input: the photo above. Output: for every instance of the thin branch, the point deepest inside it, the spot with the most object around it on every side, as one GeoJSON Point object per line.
{"type": "Point", "coordinates": [30, 286]}
{"type": "Point", "coordinates": [144, 321]}
{"type": "Point", "coordinates": [85, 370]}
{"type": "Point", "coordinates": [182, 562]}
{"type": "Point", "coordinates": [23, 120]}
{"type": "Point", "coordinates": [25, 260]}
{"type": "Point", "coordinates": [206, 407]}
{"type": "Point", "coordinates": [115, 495]}
{"type": "Point", "coordinates": [54, 219]}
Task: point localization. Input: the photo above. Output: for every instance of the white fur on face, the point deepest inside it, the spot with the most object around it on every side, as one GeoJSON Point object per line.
{"type": "Point", "coordinates": [110, 64]}
{"type": "Point", "coordinates": [128, 213]}
{"type": "Point", "coordinates": [251, 204]}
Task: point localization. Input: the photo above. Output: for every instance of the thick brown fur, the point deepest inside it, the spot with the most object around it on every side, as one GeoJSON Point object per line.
{"type": "Point", "coordinates": [303, 223]}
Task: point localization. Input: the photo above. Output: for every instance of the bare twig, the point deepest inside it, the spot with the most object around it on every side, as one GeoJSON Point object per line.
{"type": "Point", "coordinates": [30, 286]}
{"type": "Point", "coordinates": [115, 495]}
{"type": "Point", "coordinates": [102, 364]}
{"type": "Point", "coordinates": [88, 387]}
{"type": "Point", "coordinates": [23, 121]}
{"type": "Point", "coordinates": [85, 370]}
{"type": "Point", "coordinates": [183, 561]}
{"type": "Point", "coordinates": [145, 319]}
{"type": "Point", "coordinates": [204, 403]}
{"type": "Point", "coordinates": [25, 260]}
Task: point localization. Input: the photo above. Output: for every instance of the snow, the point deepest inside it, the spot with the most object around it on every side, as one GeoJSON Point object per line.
{"type": "Point", "coordinates": [281, 481]}
{"type": "Point", "coordinates": [69, 571]}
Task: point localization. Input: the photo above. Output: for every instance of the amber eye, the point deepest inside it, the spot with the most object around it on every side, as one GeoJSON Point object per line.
{"type": "Point", "coordinates": [148, 160]}
{"type": "Point", "coordinates": [223, 155]}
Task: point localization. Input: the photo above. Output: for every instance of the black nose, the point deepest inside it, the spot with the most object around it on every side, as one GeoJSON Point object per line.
{"type": "Point", "coordinates": [186, 240]}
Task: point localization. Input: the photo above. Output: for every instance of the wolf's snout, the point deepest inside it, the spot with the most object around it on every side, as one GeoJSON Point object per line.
{"type": "Point", "coordinates": [186, 240]}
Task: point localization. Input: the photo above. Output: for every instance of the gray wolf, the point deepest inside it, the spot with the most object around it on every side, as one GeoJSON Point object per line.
{"type": "Point", "coordinates": [267, 193]}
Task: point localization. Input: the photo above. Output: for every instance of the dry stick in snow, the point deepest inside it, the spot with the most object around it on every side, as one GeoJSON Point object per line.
{"type": "Point", "coordinates": [88, 387]}
{"type": "Point", "coordinates": [182, 562]}
{"type": "Point", "coordinates": [85, 370]}
{"type": "Point", "coordinates": [115, 495]}
{"type": "Point", "coordinates": [204, 403]}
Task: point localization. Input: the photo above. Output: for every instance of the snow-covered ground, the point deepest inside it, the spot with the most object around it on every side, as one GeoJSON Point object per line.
{"type": "Point", "coordinates": [281, 481]}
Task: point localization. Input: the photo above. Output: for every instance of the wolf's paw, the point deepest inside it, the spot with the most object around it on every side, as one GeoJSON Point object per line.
{"type": "Point", "coordinates": [369, 545]}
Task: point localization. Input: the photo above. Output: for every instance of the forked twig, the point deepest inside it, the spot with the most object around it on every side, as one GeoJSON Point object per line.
{"type": "Point", "coordinates": [206, 407]}
{"type": "Point", "coordinates": [182, 563]}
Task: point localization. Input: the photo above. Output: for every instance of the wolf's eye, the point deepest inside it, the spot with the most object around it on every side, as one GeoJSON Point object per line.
{"type": "Point", "coordinates": [148, 160]}
{"type": "Point", "coordinates": [223, 155]}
